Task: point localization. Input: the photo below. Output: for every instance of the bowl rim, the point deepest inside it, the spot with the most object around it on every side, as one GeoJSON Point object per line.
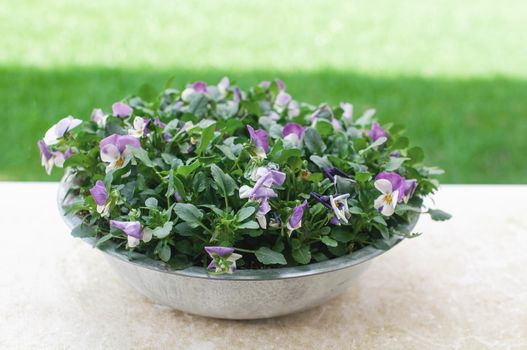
{"type": "Point", "coordinates": [353, 259]}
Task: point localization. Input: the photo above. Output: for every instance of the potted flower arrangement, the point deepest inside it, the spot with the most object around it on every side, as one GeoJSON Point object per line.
{"type": "Point", "coordinates": [192, 184]}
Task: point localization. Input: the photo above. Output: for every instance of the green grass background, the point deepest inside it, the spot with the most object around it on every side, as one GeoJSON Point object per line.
{"type": "Point", "coordinates": [455, 73]}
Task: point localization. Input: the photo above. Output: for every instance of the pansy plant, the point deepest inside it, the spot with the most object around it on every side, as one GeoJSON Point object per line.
{"type": "Point", "coordinates": [224, 178]}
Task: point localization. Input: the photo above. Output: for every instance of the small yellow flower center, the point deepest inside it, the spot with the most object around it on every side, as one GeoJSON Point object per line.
{"type": "Point", "coordinates": [119, 162]}
{"type": "Point", "coordinates": [388, 198]}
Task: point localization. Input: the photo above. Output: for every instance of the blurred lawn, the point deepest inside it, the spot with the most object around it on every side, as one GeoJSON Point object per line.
{"type": "Point", "coordinates": [454, 73]}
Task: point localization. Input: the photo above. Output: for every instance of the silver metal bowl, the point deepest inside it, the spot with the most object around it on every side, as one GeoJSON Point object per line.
{"type": "Point", "coordinates": [246, 294]}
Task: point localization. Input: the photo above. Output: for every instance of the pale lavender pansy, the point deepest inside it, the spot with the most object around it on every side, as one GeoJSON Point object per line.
{"type": "Point", "coordinates": [377, 132]}
{"type": "Point", "coordinates": [322, 112]}
{"type": "Point", "coordinates": [261, 191]}
{"type": "Point", "coordinates": [336, 124]}
{"type": "Point", "coordinates": [51, 158]}
{"type": "Point", "coordinates": [347, 109]}
{"type": "Point", "coordinates": [133, 230]}
{"type": "Point", "coordinates": [260, 139]}
{"type": "Point", "coordinates": [266, 84]}
{"type": "Point", "coordinates": [139, 127]}
{"type": "Point", "coordinates": [292, 133]}
{"type": "Point", "coordinates": [397, 182]}
{"type": "Point", "coordinates": [223, 85]}
{"type": "Point", "coordinates": [121, 109]}
{"type": "Point", "coordinates": [100, 196]}
{"type": "Point", "coordinates": [392, 187]}
{"type": "Point", "coordinates": [293, 109]}
{"type": "Point", "coordinates": [58, 130]}
{"type": "Point", "coordinates": [198, 87]}
{"type": "Point", "coordinates": [295, 220]}
{"type": "Point", "coordinates": [281, 101]}
{"type": "Point", "coordinates": [98, 116]}
{"type": "Point", "coordinates": [223, 259]}
{"type": "Point", "coordinates": [114, 150]}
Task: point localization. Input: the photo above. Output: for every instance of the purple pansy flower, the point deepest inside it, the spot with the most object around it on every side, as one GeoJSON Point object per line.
{"type": "Point", "coordinates": [166, 135]}
{"type": "Point", "coordinates": [397, 182]}
{"type": "Point", "coordinates": [133, 230]}
{"type": "Point", "coordinates": [392, 187]}
{"type": "Point", "coordinates": [295, 220]}
{"type": "Point", "coordinates": [377, 132]}
{"type": "Point", "coordinates": [261, 191]}
{"type": "Point", "coordinates": [395, 154]}
{"type": "Point", "coordinates": [97, 115]}
{"type": "Point", "coordinates": [293, 128]}
{"type": "Point", "coordinates": [58, 130]}
{"type": "Point", "coordinates": [281, 101]}
{"type": "Point", "coordinates": [266, 84]}
{"type": "Point", "coordinates": [338, 204]}
{"type": "Point", "coordinates": [223, 85]}
{"type": "Point", "coordinates": [409, 189]}
{"type": "Point", "coordinates": [347, 111]}
{"type": "Point", "coordinates": [113, 150]}
{"type": "Point", "coordinates": [51, 158]}
{"type": "Point", "coordinates": [223, 259]}
{"type": "Point", "coordinates": [100, 196]}
{"type": "Point", "coordinates": [323, 112]}
{"type": "Point", "coordinates": [138, 128]}
{"type": "Point", "coordinates": [330, 173]}
{"type": "Point", "coordinates": [292, 133]}
{"type": "Point", "coordinates": [198, 87]}
{"type": "Point", "coordinates": [121, 110]}
{"type": "Point", "coordinates": [260, 139]}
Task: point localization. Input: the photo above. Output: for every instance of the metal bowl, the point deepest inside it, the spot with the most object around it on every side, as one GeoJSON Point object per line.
{"type": "Point", "coordinates": [246, 294]}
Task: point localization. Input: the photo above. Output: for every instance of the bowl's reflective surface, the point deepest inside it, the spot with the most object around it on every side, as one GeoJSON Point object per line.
{"type": "Point", "coordinates": [246, 294]}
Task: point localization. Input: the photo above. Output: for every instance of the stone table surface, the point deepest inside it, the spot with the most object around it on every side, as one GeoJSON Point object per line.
{"type": "Point", "coordinates": [461, 285]}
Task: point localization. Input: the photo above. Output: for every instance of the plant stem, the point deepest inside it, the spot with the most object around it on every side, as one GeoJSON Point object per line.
{"type": "Point", "coordinates": [245, 250]}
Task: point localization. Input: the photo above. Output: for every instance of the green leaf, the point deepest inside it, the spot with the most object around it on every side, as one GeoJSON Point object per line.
{"type": "Point", "coordinates": [439, 215]}
{"type": "Point", "coordinates": [141, 155]}
{"type": "Point", "coordinates": [395, 163]}
{"type": "Point", "coordinates": [244, 213]}
{"type": "Point", "coordinates": [416, 154]}
{"type": "Point", "coordinates": [188, 213]}
{"type": "Point", "coordinates": [324, 127]}
{"type": "Point", "coordinates": [313, 141]}
{"type": "Point", "coordinates": [186, 170]}
{"type": "Point", "coordinates": [321, 162]}
{"type": "Point", "coordinates": [363, 177]}
{"type": "Point", "coordinates": [151, 202]}
{"type": "Point", "coordinates": [184, 229]}
{"type": "Point", "coordinates": [78, 160]}
{"type": "Point", "coordinates": [330, 242]}
{"type": "Point", "coordinates": [198, 104]}
{"type": "Point", "coordinates": [268, 257]}
{"type": "Point", "coordinates": [164, 253]}
{"type": "Point", "coordinates": [207, 135]}
{"type": "Point", "coordinates": [342, 234]}
{"type": "Point", "coordinates": [287, 153]}
{"type": "Point", "coordinates": [103, 239]}
{"type": "Point", "coordinates": [225, 183]}
{"type": "Point", "coordinates": [251, 225]}
{"type": "Point", "coordinates": [302, 255]}
{"type": "Point", "coordinates": [226, 150]}
{"type": "Point", "coordinates": [163, 231]}
{"type": "Point", "coordinates": [375, 143]}
{"type": "Point", "coordinates": [83, 230]}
